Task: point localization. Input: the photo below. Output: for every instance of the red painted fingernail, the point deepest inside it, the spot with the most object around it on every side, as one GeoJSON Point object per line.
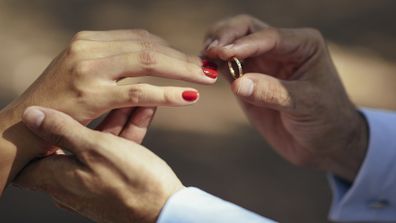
{"type": "Point", "coordinates": [210, 72]}
{"type": "Point", "coordinates": [210, 64]}
{"type": "Point", "coordinates": [190, 95]}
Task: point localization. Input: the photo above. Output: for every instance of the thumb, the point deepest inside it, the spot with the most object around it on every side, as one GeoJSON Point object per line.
{"type": "Point", "coordinates": [264, 91]}
{"type": "Point", "coordinates": [57, 129]}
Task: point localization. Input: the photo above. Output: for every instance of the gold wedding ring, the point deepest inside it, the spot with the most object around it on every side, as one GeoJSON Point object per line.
{"type": "Point", "coordinates": [234, 64]}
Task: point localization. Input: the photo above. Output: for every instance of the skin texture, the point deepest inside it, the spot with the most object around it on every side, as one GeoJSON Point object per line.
{"type": "Point", "coordinates": [292, 93]}
{"type": "Point", "coordinates": [107, 177]}
{"type": "Point", "coordinates": [83, 83]}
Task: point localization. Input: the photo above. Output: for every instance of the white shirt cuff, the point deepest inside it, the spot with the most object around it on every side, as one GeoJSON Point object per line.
{"type": "Point", "coordinates": [192, 205]}
{"type": "Point", "coordinates": [372, 196]}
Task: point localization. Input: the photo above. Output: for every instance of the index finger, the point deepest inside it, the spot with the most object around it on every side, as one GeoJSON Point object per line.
{"type": "Point", "coordinates": [229, 30]}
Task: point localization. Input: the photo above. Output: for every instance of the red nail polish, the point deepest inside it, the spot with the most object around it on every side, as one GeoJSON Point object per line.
{"type": "Point", "coordinates": [190, 95]}
{"type": "Point", "coordinates": [209, 64]}
{"type": "Point", "coordinates": [210, 72]}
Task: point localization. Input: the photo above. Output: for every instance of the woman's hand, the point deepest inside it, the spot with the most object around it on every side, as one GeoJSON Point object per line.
{"type": "Point", "coordinates": [83, 82]}
{"type": "Point", "coordinates": [292, 93]}
{"type": "Point", "coordinates": [108, 178]}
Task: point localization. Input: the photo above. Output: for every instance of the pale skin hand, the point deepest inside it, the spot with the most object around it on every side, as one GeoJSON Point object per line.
{"type": "Point", "coordinates": [292, 93]}
{"type": "Point", "coordinates": [108, 177]}
{"type": "Point", "coordinates": [83, 82]}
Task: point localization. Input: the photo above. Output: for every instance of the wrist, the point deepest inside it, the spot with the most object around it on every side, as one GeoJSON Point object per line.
{"type": "Point", "coordinates": [17, 135]}
{"type": "Point", "coordinates": [347, 161]}
{"type": "Point", "coordinates": [18, 145]}
{"type": "Point", "coordinates": [150, 211]}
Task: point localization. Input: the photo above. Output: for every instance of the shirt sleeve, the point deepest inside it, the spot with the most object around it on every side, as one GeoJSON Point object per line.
{"type": "Point", "coordinates": [372, 196]}
{"type": "Point", "coordinates": [192, 205]}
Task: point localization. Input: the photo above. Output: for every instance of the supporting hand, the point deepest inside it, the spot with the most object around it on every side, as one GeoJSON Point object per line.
{"type": "Point", "coordinates": [107, 178]}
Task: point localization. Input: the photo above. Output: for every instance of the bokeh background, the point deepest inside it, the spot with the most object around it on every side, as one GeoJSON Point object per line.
{"type": "Point", "coordinates": [209, 145]}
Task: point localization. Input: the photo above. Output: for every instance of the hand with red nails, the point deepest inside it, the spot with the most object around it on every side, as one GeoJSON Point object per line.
{"type": "Point", "coordinates": [129, 185]}
{"type": "Point", "coordinates": [83, 81]}
{"type": "Point", "coordinates": [292, 93]}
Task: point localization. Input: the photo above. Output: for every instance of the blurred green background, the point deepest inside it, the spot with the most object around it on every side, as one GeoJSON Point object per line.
{"type": "Point", "coordinates": [209, 145]}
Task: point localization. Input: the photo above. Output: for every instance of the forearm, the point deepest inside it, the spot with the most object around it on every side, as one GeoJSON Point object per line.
{"type": "Point", "coordinates": [18, 145]}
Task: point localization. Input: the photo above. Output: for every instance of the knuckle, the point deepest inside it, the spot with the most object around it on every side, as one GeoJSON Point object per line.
{"type": "Point", "coordinates": [82, 68]}
{"type": "Point", "coordinates": [315, 35]}
{"type": "Point", "coordinates": [244, 17]}
{"type": "Point", "coordinates": [146, 44]}
{"type": "Point", "coordinates": [84, 96]}
{"type": "Point", "coordinates": [83, 89]}
{"type": "Point", "coordinates": [273, 32]}
{"type": "Point", "coordinates": [76, 47]}
{"type": "Point", "coordinates": [136, 94]}
{"type": "Point", "coordinates": [147, 60]}
{"type": "Point", "coordinates": [80, 35]}
{"type": "Point", "coordinates": [140, 33]}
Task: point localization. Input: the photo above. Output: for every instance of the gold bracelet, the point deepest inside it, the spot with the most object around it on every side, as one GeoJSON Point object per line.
{"type": "Point", "coordinates": [238, 65]}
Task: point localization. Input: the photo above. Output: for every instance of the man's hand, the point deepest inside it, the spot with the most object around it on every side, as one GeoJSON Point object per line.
{"type": "Point", "coordinates": [292, 93]}
{"type": "Point", "coordinates": [107, 178]}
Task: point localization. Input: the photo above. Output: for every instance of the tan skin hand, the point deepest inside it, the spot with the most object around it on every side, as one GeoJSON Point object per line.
{"type": "Point", "coordinates": [88, 71]}
{"type": "Point", "coordinates": [83, 81]}
{"type": "Point", "coordinates": [292, 93]}
{"type": "Point", "coordinates": [108, 177]}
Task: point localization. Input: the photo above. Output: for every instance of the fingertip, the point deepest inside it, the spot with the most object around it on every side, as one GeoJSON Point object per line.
{"type": "Point", "coordinates": [207, 42]}
{"type": "Point", "coordinates": [190, 95]}
{"type": "Point", "coordinates": [213, 44]}
{"type": "Point", "coordinates": [33, 117]}
{"type": "Point", "coordinates": [243, 87]}
{"type": "Point", "coordinates": [211, 73]}
{"type": "Point", "coordinates": [210, 70]}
